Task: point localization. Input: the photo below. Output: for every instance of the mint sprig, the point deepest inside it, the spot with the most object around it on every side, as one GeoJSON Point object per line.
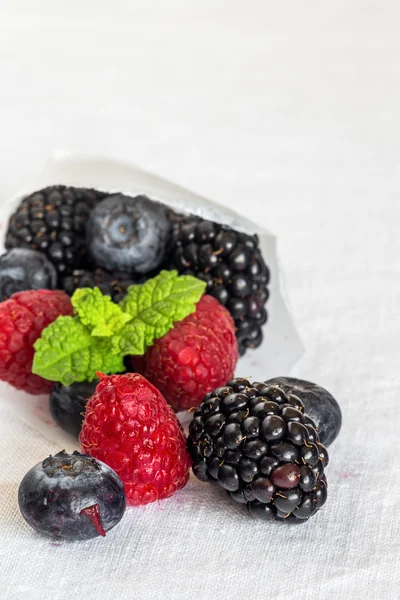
{"type": "Point", "coordinates": [101, 333]}
{"type": "Point", "coordinates": [158, 304]}
{"type": "Point", "coordinates": [99, 312]}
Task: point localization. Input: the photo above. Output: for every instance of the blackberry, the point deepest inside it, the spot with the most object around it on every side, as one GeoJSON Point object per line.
{"type": "Point", "coordinates": [231, 264]}
{"type": "Point", "coordinates": [256, 442]}
{"type": "Point", "coordinates": [112, 284]}
{"type": "Point", "coordinates": [53, 221]}
{"type": "Point", "coordinates": [319, 404]}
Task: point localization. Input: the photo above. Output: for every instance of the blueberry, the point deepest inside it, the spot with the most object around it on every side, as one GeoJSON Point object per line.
{"type": "Point", "coordinates": [68, 404]}
{"type": "Point", "coordinates": [72, 497]}
{"type": "Point", "coordinates": [25, 269]}
{"type": "Point", "coordinates": [319, 404]}
{"type": "Point", "coordinates": [127, 233]}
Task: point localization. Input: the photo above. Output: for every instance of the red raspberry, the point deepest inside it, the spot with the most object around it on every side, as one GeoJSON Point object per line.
{"type": "Point", "coordinates": [22, 320]}
{"type": "Point", "coordinates": [129, 426]}
{"type": "Point", "coordinates": [199, 354]}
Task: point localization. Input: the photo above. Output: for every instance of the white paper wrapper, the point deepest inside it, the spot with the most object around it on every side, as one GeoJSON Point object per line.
{"type": "Point", "coordinates": [281, 347]}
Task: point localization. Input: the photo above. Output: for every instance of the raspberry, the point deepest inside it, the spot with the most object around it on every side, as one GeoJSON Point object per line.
{"type": "Point", "coordinates": [197, 355]}
{"type": "Point", "coordinates": [22, 320]}
{"type": "Point", "coordinates": [130, 427]}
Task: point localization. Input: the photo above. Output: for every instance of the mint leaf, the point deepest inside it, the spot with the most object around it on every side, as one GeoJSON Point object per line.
{"type": "Point", "coordinates": [102, 333]}
{"type": "Point", "coordinates": [67, 352]}
{"type": "Point", "coordinates": [98, 312]}
{"type": "Point", "coordinates": [131, 340]}
{"type": "Point", "coordinates": [158, 304]}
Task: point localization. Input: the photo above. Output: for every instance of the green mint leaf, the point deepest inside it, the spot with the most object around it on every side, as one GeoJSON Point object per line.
{"type": "Point", "coordinates": [67, 352]}
{"type": "Point", "coordinates": [74, 348]}
{"type": "Point", "coordinates": [131, 340]}
{"type": "Point", "coordinates": [158, 304]}
{"type": "Point", "coordinates": [98, 312]}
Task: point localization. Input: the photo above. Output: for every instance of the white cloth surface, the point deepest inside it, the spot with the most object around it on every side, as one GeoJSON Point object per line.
{"type": "Point", "coordinates": [287, 112]}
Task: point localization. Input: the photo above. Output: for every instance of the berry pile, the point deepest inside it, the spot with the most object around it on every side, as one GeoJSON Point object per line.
{"type": "Point", "coordinates": [149, 268]}
{"type": "Point", "coordinates": [256, 442]}
{"type": "Point", "coordinates": [231, 264]}
{"type": "Point", "coordinates": [97, 240]}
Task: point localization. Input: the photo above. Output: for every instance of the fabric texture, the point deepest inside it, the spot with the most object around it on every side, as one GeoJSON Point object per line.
{"type": "Point", "coordinates": [289, 114]}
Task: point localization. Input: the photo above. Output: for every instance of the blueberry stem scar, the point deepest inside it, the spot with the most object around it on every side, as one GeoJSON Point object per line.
{"type": "Point", "coordinates": [93, 514]}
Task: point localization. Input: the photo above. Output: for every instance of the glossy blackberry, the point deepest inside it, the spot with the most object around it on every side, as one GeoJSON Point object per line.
{"type": "Point", "coordinates": [112, 284]}
{"type": "Point", "coordinates": [53, 221]}
{"type": "Point", "coordinates": [231, 264]}
{"type": "Point", "coordinates": [256, 442]}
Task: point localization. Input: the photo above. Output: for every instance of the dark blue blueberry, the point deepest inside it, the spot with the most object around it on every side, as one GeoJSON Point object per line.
{"type": "Point", "coordinates": [319, 404]}
{"type": "Point", "coordinates": [127, 233]}
{"type": "Point", "coordinates": [72, 497]}
{"type": "Point", "coordinates": [25, 269]}
{"type": "Point", "coordinates": [68, 405]}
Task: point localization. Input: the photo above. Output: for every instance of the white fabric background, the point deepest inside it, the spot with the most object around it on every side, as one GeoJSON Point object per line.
{"type": "Point", "coordinates": [288, 112]}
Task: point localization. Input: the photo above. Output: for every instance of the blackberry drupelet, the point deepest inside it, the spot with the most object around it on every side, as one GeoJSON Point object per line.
{"type": "Point", "coordinates": [319, 404]}
{"type": "Point", "coordinates": [256, 442]}
{"type": "Point", "coordinates": [112, 284]}
{"type": "Point", "coordinates": [53, 221]}
{"type": "Point", "coordinates": [231, 264]}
